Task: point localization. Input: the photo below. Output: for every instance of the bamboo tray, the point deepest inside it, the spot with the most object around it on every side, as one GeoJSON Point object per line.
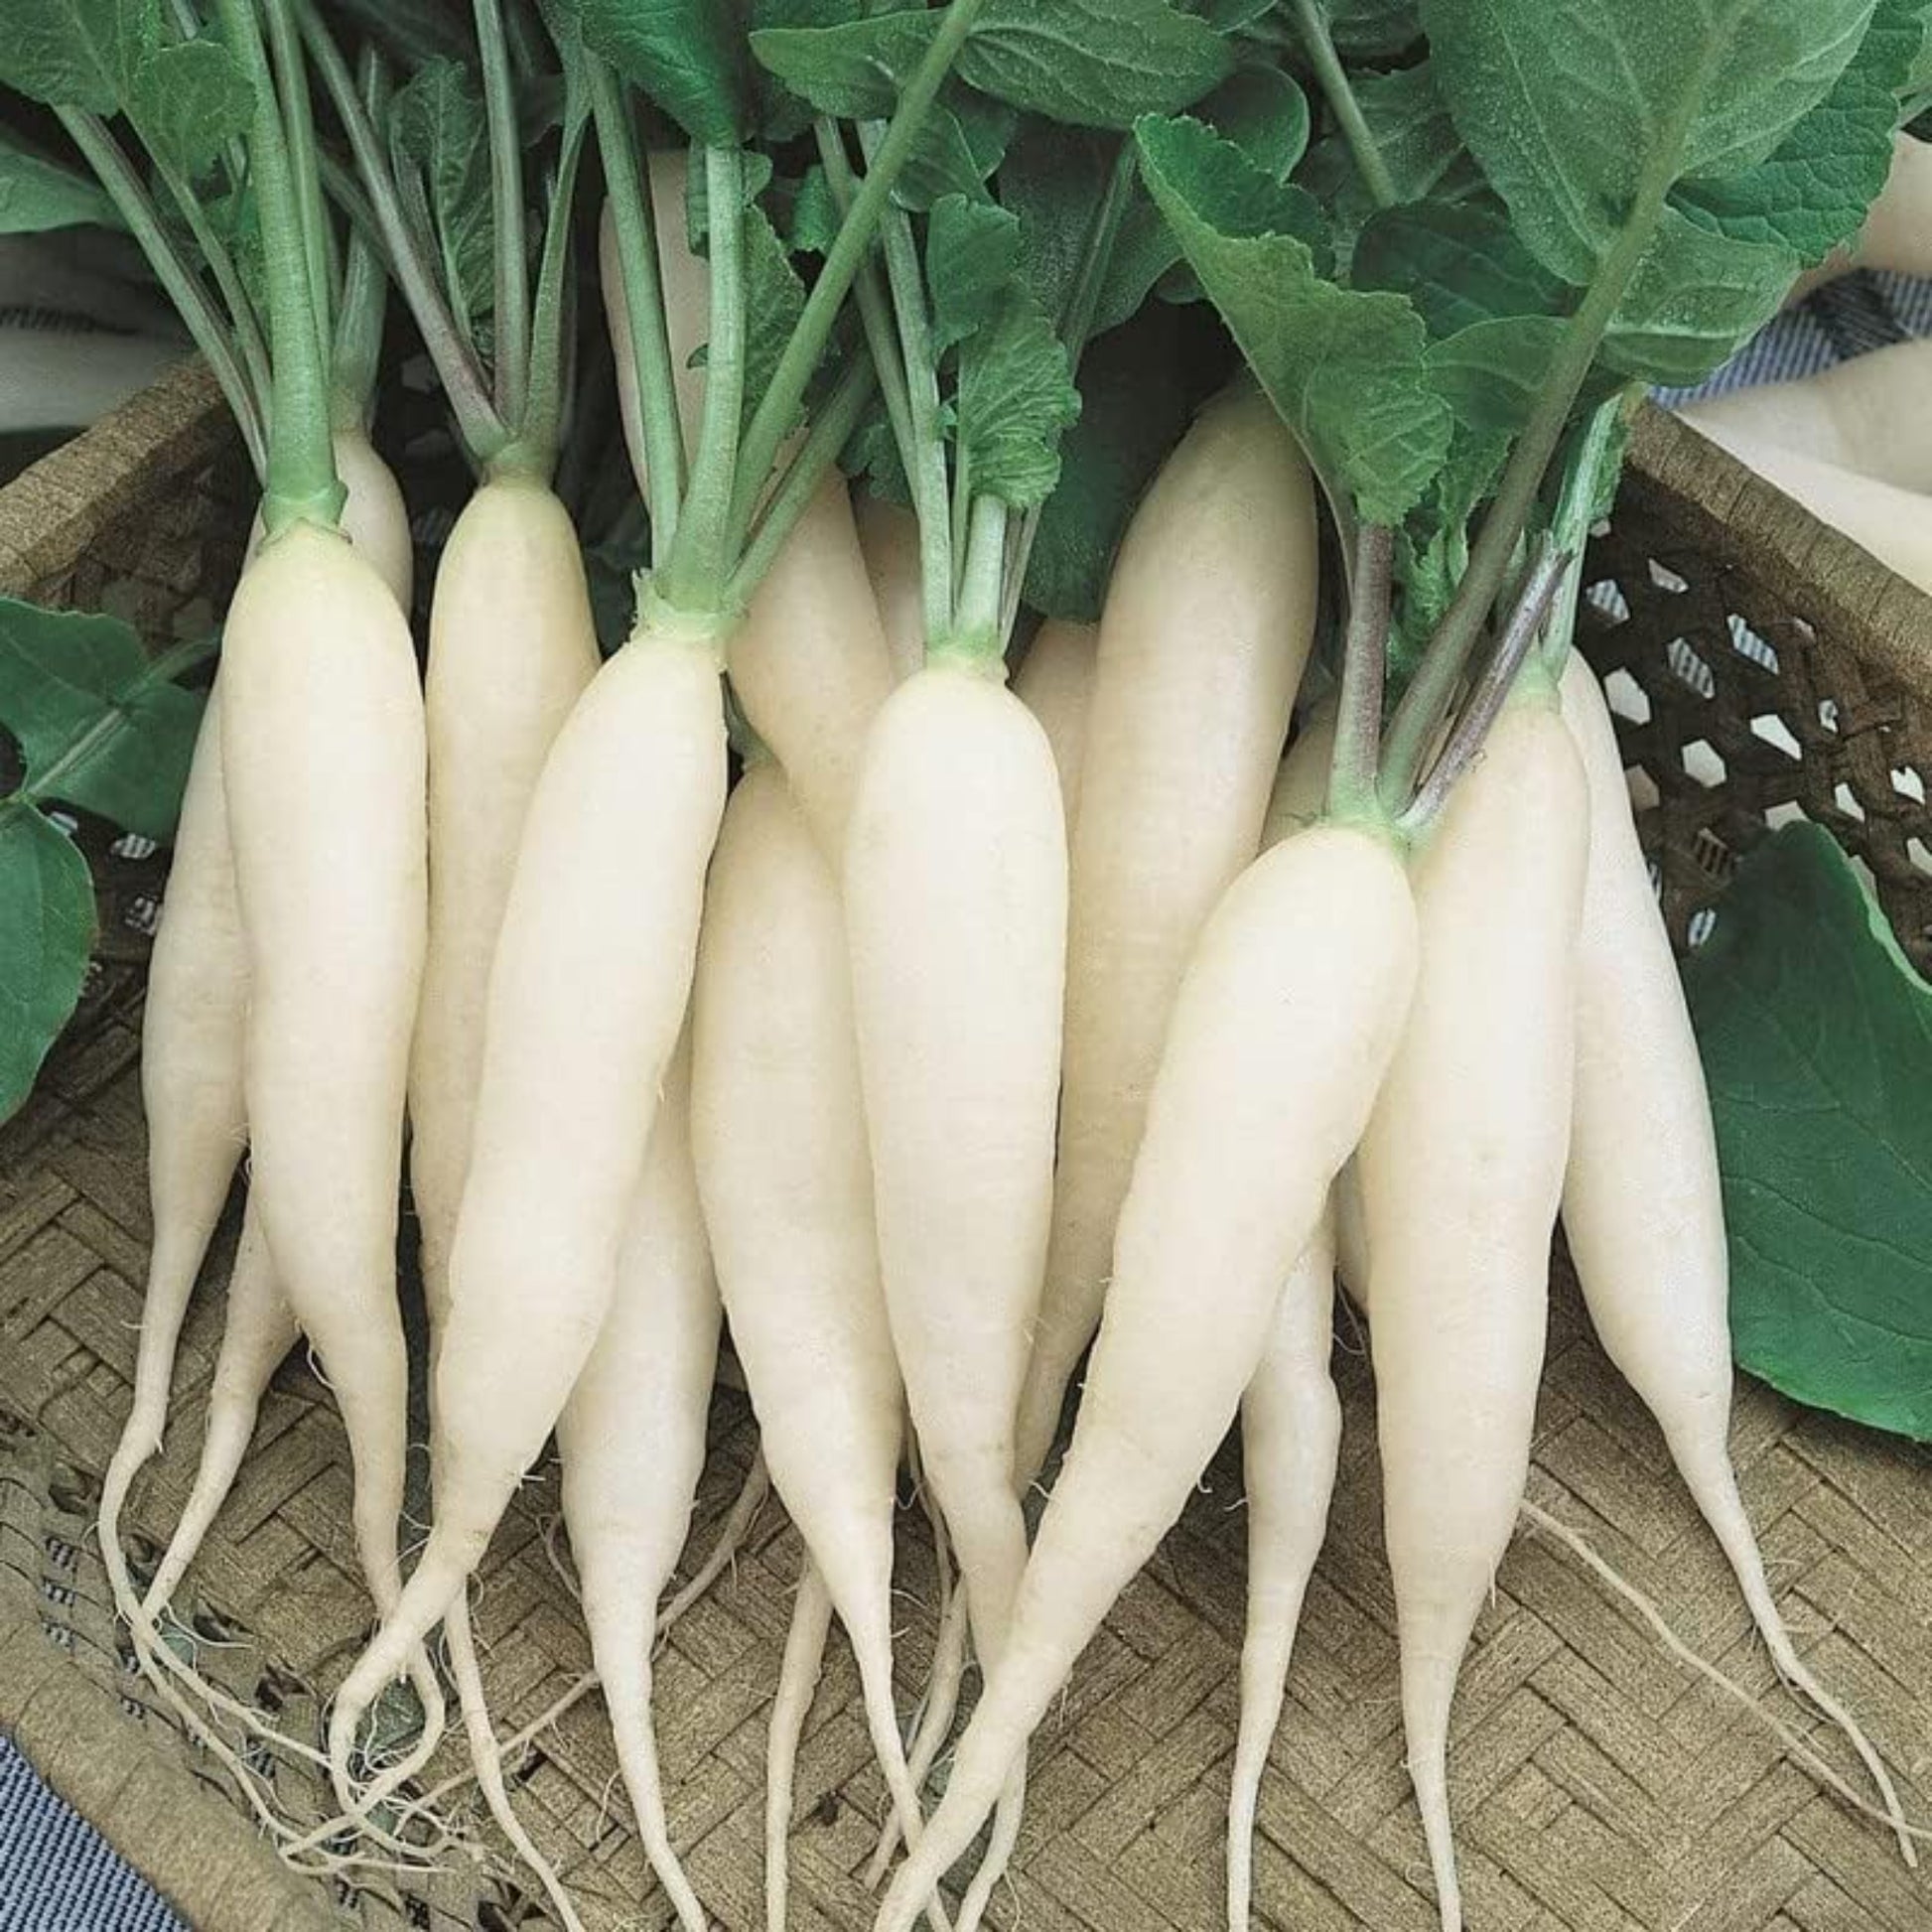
{"type": "Point", "coordinates": [1598, 1788]}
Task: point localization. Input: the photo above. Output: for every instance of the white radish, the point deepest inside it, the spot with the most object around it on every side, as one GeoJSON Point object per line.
{"type": "Point", "coordinates": [323, 752]}
{"type": "Point", "coordinates": [955, 885]}
{"type": "Point", "coordinates": [1291, 1436]}
{"type": "Point", "coordinates": [1285, 1018]}
{"type": "Point", "coordinates": [1460, 1169]}
{"type": "Point", "coordinates": [586, 997]}
{"type": "Point", "coordinates": [632, 1441]}
{"type": "Point", "coordinates": [798, 1674]}
{"type": "Point", "coordinates": [259, 1331]}
{"type": "Point", "coordinates": [1642, 1201]}
{"type": "Point", "coordinates": [1891, 523]}
{"type": "Point", "coordinates": [1055, 683]}
{"type": "Point", "coordinates": [1207, 623]}
{"type": "Point", "coordinates": [512, 647]}
{"type": "Point", "coordinates": [778, 1132]}
{"type": "Point", "coordinates": [1872, 414]}
{"type": "Point", "coordinates": [889, 535]}
{"type": "Point", "coordinates": [195, 1021]}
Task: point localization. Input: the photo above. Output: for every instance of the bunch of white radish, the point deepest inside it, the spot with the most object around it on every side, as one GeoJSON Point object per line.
{"type": "Point", "coordinates": [935, 998]}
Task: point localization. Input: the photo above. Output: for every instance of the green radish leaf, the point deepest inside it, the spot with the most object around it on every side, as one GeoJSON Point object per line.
{"type": "Point", "coordinates": [1816, 1037]}
{"type": "Point", "coordinates": [98, 729]}
{"type": "Point", "coordinates": [1093, 63]}
{"type": "Point", "coordinates": [1812, 193]}
{"type": "Point", "coordinates": [1138, 387]}
{"type": "Point", "coordinates": [960, 143]}
{"type": "Point", "coordinates": [46, 932]}
{"type": "Point", "coordinates": [1051, 182]}
{"type": "Point", "coordinates": [1262, 112]}
{"type": "Point", "coordinates": [972, 252]}
{"type": "Point", "coordinates": [1578, 111]}
{"type": "Point", "coordinates": [1491, 372]}
{"type": "Point", "coordinates": [438, 128]}
{"type": "Point", "coordinates": [851, 70]}
{"type": "Point", "coordinates": [1373, 27]}
{"type": "Point", "coordinates": [812, 224]}
{"type": "Point", "coordinates": [774, 299]}
{"type": "Point", "coordinates": [188, 102]}
{"type": "Point", "coordinates": [1016, 400]}
{"type": "Point", "coordinates": [1695, 297]}
{"type": "Point", "coordinates": [1230, 16]}
{"type": "Point", "coordinates": [1410, 123]}
{"type": "Point", "coordinates": [870, 457]}
{"type": "Point", "coordinates": [688, 55]}
{"type": "Point", "coordinates": [1345, 368]}
{"type": "Point", "coordinates": [1459, 263]}
{"type": "Point", "coordinates": [76, 53]}
{"type": "Point", "coordinates": [38, 194]}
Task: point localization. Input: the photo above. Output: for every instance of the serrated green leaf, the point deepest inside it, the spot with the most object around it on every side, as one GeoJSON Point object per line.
{"type": "Point", "coordinates": [1264, 113]}
{"type": "Point", "coordinates": [1491, 372]}
{"type": "Point", "coordinates": [1137, 392]}
{"type": "Point", "coordinates": [853, 71]}
{"type": "Point", "coordinates": [1093, 63]}
{"type": "Point", "coordinates": [1811, 195]}
{"type": "Point", "coordinates": [47, 931]}
{"type": "Point", "coordinates": [437, 127]}
{"type": "Point", "coordinates": [1576, 107]}
{"type": "Point", "coordinates": [972, 253]}
{"type": "Point", "coordinates": [1693, 298]}
{"type": "Point", "coordinates": [1052, 181]}
{"type": "Point", "coordinates": [1816, 1037]}
{"type": "Point", "coordinates": [1343, 367]}
{"type": "Point", "coordinates": [1015, 399]}
{"type": "Point", "coordinates": [1458, 263]}
{"type": "Point", "coordinates": [188, 102]}
{"type": "Point", "coordinates": [38, 196]}
{"type": "Point", "coordinates": [76, 53]}
{"type": "Point", "coordinates": [688, 55]}
{"type": "Point", "coordinates": [96, 728]}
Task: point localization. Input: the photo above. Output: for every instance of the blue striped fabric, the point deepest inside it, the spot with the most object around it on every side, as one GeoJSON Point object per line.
{"type": "Point", "coordinates": [57, 1872]}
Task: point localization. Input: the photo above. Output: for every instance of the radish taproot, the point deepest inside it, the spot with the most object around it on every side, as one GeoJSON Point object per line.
{"type": "Point", "coordinates": [1183, 734]}
{"type": "Point", "coordinates": [1288, 1013]}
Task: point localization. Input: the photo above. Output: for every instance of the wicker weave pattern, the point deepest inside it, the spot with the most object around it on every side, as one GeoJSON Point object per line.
{"type": "Point", "coordinates": [1598, 1788]}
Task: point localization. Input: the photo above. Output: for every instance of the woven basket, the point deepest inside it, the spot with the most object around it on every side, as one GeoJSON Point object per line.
{"type": "Point", "coordinates": [1598, 1788]}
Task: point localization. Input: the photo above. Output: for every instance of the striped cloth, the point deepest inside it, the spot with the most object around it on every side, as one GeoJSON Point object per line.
{"type": "Point", "coordinates": [57, 1872]}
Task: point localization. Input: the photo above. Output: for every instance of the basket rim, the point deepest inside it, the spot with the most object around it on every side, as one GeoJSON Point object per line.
{"type": "Point", "coordinates": [1834, 585]}
{"type": "Point", "coordinates": [52, 512]}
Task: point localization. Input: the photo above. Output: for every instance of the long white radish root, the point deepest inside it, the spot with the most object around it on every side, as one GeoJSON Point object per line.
{"type": "Point", "coordinates": [1055, 683]}
{"type": "Point", "coordinates": [1288, 1015]}
{"type": "Point", "coordinates": [1460, 1169]}
{"type": "Point", "coordinates": [322, 752]}
{"type": "Point", "coordinates": [889, 535]}
{"type": "Point", "coordinates": [798, 1674]}
{"type": "Point", "coordinates": [955, 887]}
{"type": "Point", "coordinates": [1642, 1203]}
{"type": "Point", "coordinates": [1871, 415]}
{"type": "Point", "coordinates": [632, 1441]}
{"type": "Point", "coordinates": [1291, 1436]}
{"type": "Point", "coordinates": [588, 993]}
{"type": "Point", "coordinates": [512, 650]}
{"type": "Point", "coordinates": [778, 1130]}
{"type": "Point", "coordinates": [192, 1092]}
{"type": "Point", "coordinates": [1207, 623]}
{"type": "Point", "coordinates": [259, 1331]}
